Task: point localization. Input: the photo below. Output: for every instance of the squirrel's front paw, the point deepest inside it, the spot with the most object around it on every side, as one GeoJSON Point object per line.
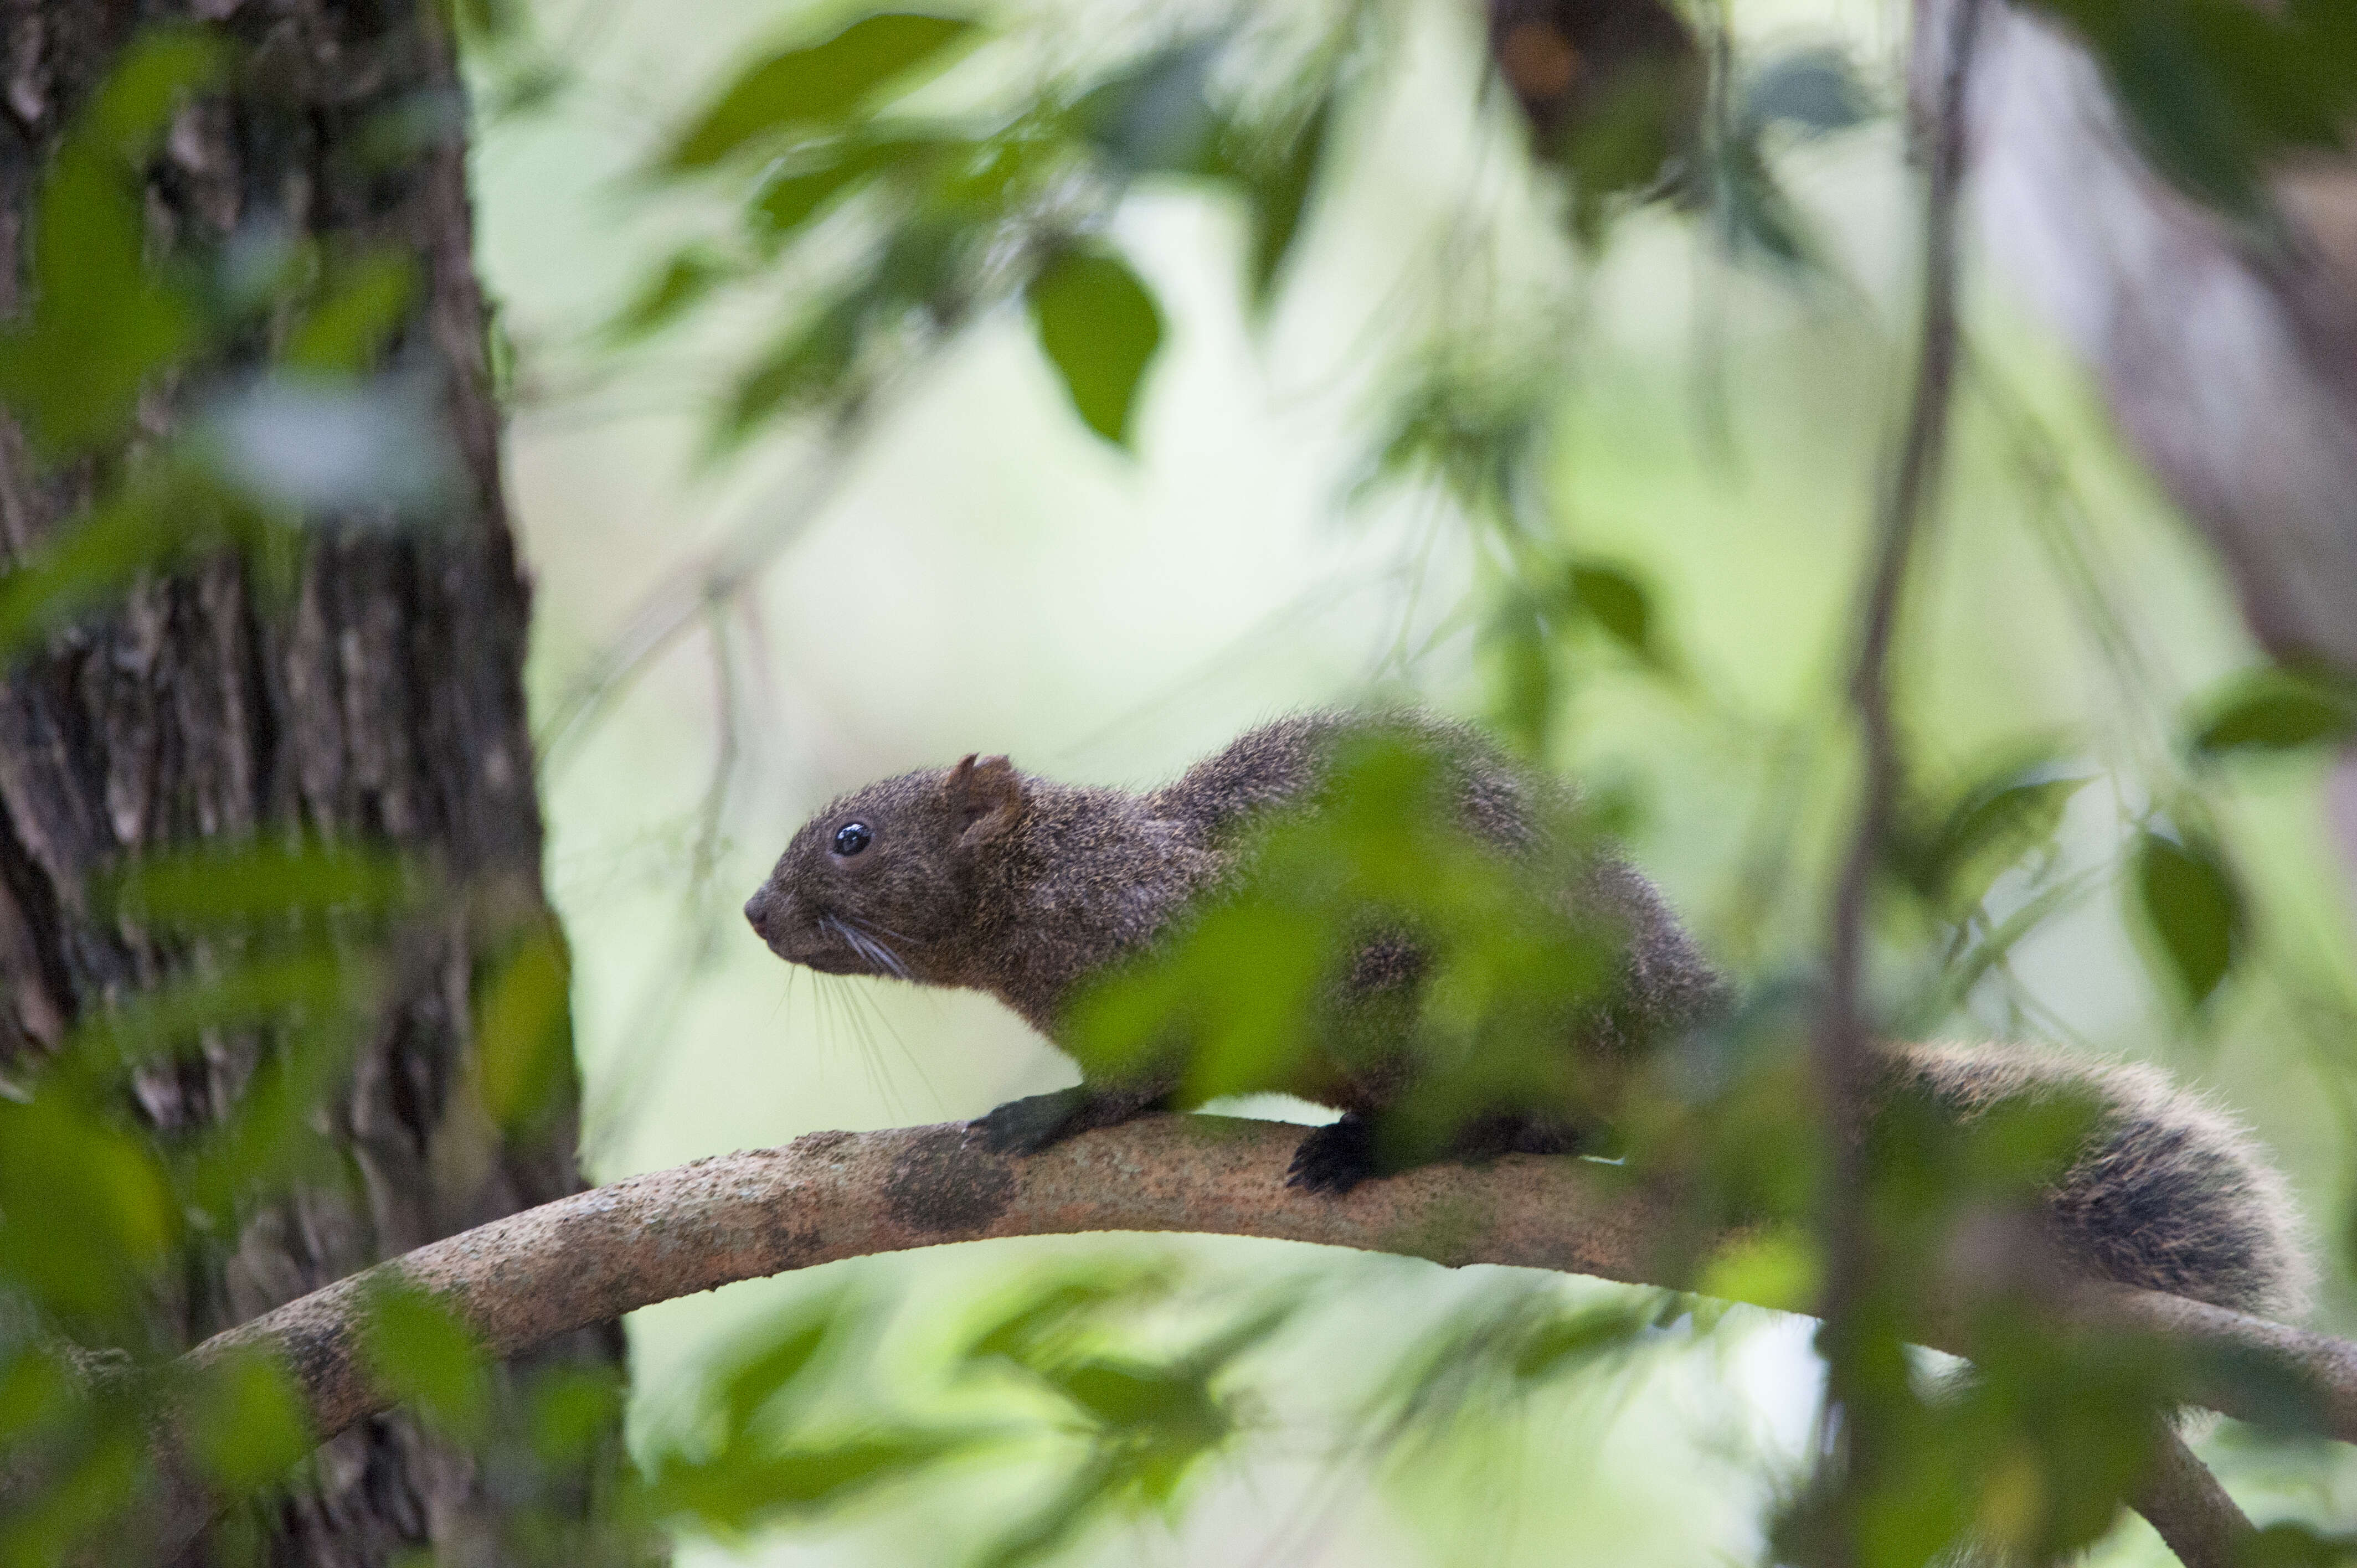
{"type": "Point", "coordinates": [1035, 1122]}
{"type": "Point", "coordinates": [1334, 1158]}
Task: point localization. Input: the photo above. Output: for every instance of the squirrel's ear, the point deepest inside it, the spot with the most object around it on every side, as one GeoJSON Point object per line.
{"type": "Point", "coordinates": [985, 797]}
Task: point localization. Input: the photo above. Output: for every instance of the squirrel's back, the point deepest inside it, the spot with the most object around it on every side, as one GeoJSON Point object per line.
{"type": "Point", "coordinates": [2169, 1194]}
{"type": "Point", "coordinates": [1279, 763]}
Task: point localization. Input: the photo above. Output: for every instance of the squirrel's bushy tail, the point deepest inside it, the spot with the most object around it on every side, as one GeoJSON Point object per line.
{"type": "Point", "coordinates": [2171, 1194]}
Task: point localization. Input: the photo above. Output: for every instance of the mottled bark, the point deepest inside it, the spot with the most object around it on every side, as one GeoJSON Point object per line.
{"type": "Point", "coordinates": [830, 1196]}
{"type": "Point", "coordinates": [380, 701]}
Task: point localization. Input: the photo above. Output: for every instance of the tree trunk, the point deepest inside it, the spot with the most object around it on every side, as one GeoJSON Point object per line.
{"type": "Point", "coordinates": [379, 701]}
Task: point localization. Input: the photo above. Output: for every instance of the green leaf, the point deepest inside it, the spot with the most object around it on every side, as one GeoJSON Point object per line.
{"type": "Point", "coordinates": [523, 1033]}
{"type": "Point", "coordinates": [798, 191]}
{"type": "Point", "coordinates": [817, 86]}
{"type": "Point", "coordinates": [249, 1424]}
{"type": "Point", "coordinates": [148, 1024]}
{"type": "Point", "coordinates": [101, 320]}
{"type": "Point", "coordinates": [87, 560]}
{"type": "Point", "coordinates": [161, 66]}
{"type": "Point", "coordinates": [366, 300]}
{"type": "Point", "coordinates": [2292, 1545]}
{"type": "Point", "coordinates": [736, 1490]}
{"type": "Point", "coordinates": [1620, 608]}
{"type": "Point", "coordinates": [1987, 832]}
{"type": "Point", "coordinates": [420, 1353]}
{"type": "Point", "coordinates": [1100, 328]}
{"type": "Point", "coordinates": [1564, 1345]}
{"type": "Point", "coordinates": [670, 294]}
{"type": "Point", "coordinates": [2276, 710]}
{"type": "Point", "coordinates": [803, 368]}
{"type": "Point", "coordinates": [1280, 190]}
{"type": "Point", "coordinates": [2191, 900]}
{"type": "Point", "coordinates": [2217, 91]}
{"type": "Point", "coordinates": [81, 1255]}
{"type": "Point", "coordinates": [766, 1374]}
{"type": "Point", "coordinates": [575, 1410]}
{"type": "Point", "coordinates": [224, 887]}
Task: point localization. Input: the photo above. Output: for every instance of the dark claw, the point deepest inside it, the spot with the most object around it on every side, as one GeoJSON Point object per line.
{"type": "Point", "coordinates": [1038, 1121]}
{"type": "Point", "coordinates": [1334, 1158]}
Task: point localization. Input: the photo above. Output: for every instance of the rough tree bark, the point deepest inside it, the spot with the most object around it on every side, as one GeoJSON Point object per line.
{"type": "Point", "coordinates": [381, 701]}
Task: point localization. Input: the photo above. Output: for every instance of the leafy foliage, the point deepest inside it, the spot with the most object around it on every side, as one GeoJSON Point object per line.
{"type": "Point", "coordinates": [1117, 1392]}
{"type": "Point", "coordinates": [2218, 92]}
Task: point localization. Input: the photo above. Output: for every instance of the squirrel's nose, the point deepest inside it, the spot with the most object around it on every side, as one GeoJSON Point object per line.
{"type": "Point", "coordinates": [758, 909]}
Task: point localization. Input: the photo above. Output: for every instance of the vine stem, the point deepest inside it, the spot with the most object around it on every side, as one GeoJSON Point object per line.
{"type": "Point", "coordinates": [1844, 1036]}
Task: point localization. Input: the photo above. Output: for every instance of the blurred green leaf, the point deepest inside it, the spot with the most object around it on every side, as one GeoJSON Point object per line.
{"type": "Point", "coordinates": [1780, 1268]}
{"type": "Point", "coordinates": [523, 1032]}
{"type": "Point", "coordinates": [806, 365]}
{"type": "Point", "coordinates": [1279, 187]}
{"type": "Point", "coordinates": [364, 303]}
{"type": "Point", "coordinates": [771, 1374]}
{"type": "Point", "coordinates": [247, 1424]}
{"type": "Point", "coordinates": [1618, 604]}
{"type": "Point", "coordinates": [1563, 1346]}
{"type": "Point", "coordinates": [2216, 91]}
{"type": "Point", "coordinates": [2276, 710]}
{"type": "Point", "coordinates": [273, 1136]}
{"type": "Point", "coordinates": [1985, 831]}
{"type": "Point", "coordinates": [2289, 1544]}
{"type": "Point", "coordinates": [35, 1388]}
{"type": "Point", "coordinates": [256, 990]}
{"type": "Point", "coordinates": [1051, 1527]}
{"type": "Point", "coordinates": [85, 1256]}
{"type": "Point", "coordinates": [162, 65]}
{"type": "Point", "coordinates": [215, 885]}
{"type": "Point", "coordinates": [101, 319]}
{"type": "Point", "coordinates": [576, 1411]}
{"type": "Point", "coordinates": [1100, 328]}
{"type": "Point", "coordinates": [1046, 1316]}
{"type": "Point", "coordinates": [2193, 907]}
{"type": "Point", "coordinates": [738, 1490]}
{"type": "Point", "coordinates": [1756, 217]}
{"type": "Point", "coordinates": [800, 187]}
{"type": "Point", "coordinates": [816, 86]}
{"type": "Point", "coordinates": [93, 557]}
{"type": "Point", "coordinates": [418, 1351]}
{"type": "Point", "coordinates": [1520, 661]}
{"type": "Point", "coordinates": [683, 283]}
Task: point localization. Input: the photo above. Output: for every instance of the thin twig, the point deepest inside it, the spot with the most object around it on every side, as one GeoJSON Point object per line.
{"type": "Point", "coordinates": [1844, 1035]}
{"type": "Point", "coordinates": [698, 589]}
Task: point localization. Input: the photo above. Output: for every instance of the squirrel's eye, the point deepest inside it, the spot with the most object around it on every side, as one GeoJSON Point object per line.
{"type": "Point", "coordinates": [851, 838]}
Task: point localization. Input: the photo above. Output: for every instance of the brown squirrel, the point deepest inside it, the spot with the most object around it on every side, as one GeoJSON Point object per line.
{"type": "Point", "coordinates": [984, 877]}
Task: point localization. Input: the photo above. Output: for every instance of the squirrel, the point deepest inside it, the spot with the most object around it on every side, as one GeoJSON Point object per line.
{"type": "Point", "coordinates": [985, 878]}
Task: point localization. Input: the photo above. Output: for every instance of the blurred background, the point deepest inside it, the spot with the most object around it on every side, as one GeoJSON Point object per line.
{"type": "Point", "coordinates": [729, 632]}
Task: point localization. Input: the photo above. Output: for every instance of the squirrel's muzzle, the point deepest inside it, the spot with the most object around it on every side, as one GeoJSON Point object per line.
{"type": "Point", "coordinates": [762, 911]}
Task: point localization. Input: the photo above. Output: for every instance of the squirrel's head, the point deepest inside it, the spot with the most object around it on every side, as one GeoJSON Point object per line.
{"type": "Point", "coordinates": [881, 881]}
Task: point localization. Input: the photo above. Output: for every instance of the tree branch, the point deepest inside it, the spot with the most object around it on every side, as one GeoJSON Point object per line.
{"type": "Point", "coordinates": [523, 1281]}
{"type": "Point", "coordinates": [2183, 1501]}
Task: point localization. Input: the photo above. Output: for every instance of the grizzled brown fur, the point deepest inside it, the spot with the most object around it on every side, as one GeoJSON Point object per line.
{"type": "Point", "coordinates": [983, 877]}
